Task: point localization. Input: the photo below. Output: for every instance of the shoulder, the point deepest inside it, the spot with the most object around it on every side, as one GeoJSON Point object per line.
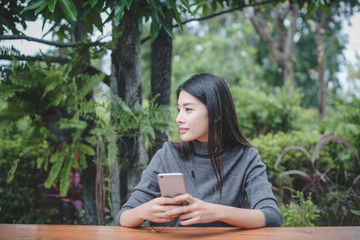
{"type": "Point", "coordinates": [165, 152]}
{"type": "Point", "coordinates": [244, 151]}
{"type": "Point", "coordinates": [167, 148]}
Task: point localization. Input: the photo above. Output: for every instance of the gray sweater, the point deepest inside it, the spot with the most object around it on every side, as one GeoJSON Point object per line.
{"type": "Point", "coordinates": [243, 173]}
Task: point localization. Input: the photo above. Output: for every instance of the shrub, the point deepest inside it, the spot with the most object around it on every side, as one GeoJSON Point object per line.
{"type": "Point", "coordinates": [302, 213]}
{"type": "Point", "coordinates": [334, 186]}
{"type": "Point", "coordinates": [260, 113]}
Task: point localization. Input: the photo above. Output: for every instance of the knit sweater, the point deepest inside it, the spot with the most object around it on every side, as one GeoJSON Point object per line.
{"type": "Point", "coordinates": [244, 178]}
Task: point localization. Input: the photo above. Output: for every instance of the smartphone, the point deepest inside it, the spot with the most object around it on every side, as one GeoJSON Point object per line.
{"type": "Point", "coordinates": [171, 184]}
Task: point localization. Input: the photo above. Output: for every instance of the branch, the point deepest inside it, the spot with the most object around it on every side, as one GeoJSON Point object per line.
{"type": "Point", "coordinates": [32, 39]}
{"type": "Point", "coordinates": [34, 58]}
{"type": "Point", "coordinates": [51, 43]}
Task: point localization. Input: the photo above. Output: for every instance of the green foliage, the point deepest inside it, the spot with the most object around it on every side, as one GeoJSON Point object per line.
{"type": "Point", "coordinates": [271, 146]}
{"type": "Point", "coordinates": [260, 113]}
{"type": "Point", "coordinates": [10, 17]}
{"type": "Point", "coordinates": [127, 123]}
{"type": "Point", "coordinates": [331, 180]}
{"type": "Point", "coordinates": [49, 99]}
{"type": "Point", "coordinates": [232, 51]}
{"type": "Point", "coordinates": [344, 121]}
{"type": "Point", "coordinates": [301, 214]}
{"type": "Point", "coordinates": [20, 187]}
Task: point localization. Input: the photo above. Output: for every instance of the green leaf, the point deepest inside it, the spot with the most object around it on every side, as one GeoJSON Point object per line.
{"type": "Point", "coordinates": [33, 6]}
{"type": "Point", "coordinates": [356, 212]}
{"type": "Point", "coordinates": [40, 8]}
{"type": "Point", "coordinates": [168, 31]}
{"type": "Point", "coordinates": [95, 19]}
{"type": "Point", "coordinates": [83, 161]}
{"type": "Point", "coordinates": [311, 9]}
{"type": "Point", "coordinates": [39, 161]}
{"type": "Point", "coordinates": [11, 173]}
{"type": "Point", "coordinates": [324, 8]}
{"type": "Point", "coordinates": [128, 4]}
{"type": "Point", "coordinates": [93, 3]}
{"type": "Point", "coordinates": [85, 149]}
{"type": "Point", "coordinates": [119, 12]}
{"type": "Point", "coordinates": [65, 178]}
{"type": "Point", "coordinates": [69, 9]}
{"type": "Point", "coordinates": [54, 157]}
{"type": "Point", "coordinates": [54, 172]}
{"type": "Point", "coordinates": [51, 5]}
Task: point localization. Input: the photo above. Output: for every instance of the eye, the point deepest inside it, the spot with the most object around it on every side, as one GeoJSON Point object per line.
{"type": "Point", "coordinates": [188, 109]}
{"type": "Point", "coordinates": [178, 110]}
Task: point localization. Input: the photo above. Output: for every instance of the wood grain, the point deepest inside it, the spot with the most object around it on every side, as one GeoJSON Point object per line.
{"type": "Point", "coordinates": [29, 231]}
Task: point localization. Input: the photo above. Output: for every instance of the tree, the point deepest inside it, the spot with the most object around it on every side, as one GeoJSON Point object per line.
{"type": "Point", "coordinates": [281, 50]}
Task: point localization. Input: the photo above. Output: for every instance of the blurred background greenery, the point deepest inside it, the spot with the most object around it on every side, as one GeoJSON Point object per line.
{"type": "Point", "coordinates": [64, 170]}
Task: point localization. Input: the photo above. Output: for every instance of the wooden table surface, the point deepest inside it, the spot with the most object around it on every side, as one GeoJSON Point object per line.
{"type": "Point", "coordinates": [29, 231]}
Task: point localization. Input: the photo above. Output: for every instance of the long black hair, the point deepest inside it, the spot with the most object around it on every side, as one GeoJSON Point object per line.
{"type": "Point", "coordinates": [224, 130]}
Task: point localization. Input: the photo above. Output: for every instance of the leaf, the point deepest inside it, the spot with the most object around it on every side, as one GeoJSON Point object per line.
{"type": "Point", "coordinates": [288, 150]}
{"type": "Point", "coordinates": [83, 161]}
{"type": "Point", "coordinates": [356, 212]}
{"type": "Point", "coordinates": [324, 8]}
{"type": "Point", "coordinates": [69, 9]}
{"type": "Point", "coordinates": [326, 138]}
{"type": "Point", "coordinates": [65, 178]}
{"type": "Point", "coordinates": [128, 4]}
{"type": "Point", "coordinates": [54, 172]}
{"type": "Point", "coordinates": [40, 8]}
{"type": "Point", "coordinates": [85, 149]}
{"type": "Point", "coordinates": [311, 9]}
{"type": "Point", "coordinates": [168, 31]}
{"type": "Point", "coordinates": [51, 5]}
{"type": "Point", "coordinates": [39, 161]}
{"type": "Point", "coordinates": [293, 172]}
{"type": "Point", "coordinates": [33, 6]}
{"type": "Point", "coordinates": [11, 173]}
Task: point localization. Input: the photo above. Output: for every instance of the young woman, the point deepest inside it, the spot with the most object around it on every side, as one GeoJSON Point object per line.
{"type": "Point", "coordinates": [222, 171]}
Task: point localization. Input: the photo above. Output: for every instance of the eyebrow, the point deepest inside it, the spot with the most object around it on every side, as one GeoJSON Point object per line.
{"type": "Point", "coordinates": [186, 104]}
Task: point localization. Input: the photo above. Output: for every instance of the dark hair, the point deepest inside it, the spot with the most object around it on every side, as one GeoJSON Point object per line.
{"type": "Point", "coordinates": [224, 130]}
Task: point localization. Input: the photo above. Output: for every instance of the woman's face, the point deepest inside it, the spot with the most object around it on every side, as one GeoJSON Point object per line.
{"type": "Point", "coordinates": [192, 118]}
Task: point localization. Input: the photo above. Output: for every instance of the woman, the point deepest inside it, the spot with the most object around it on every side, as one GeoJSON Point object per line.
{"type": "Point", "coordinates": [222, 171]}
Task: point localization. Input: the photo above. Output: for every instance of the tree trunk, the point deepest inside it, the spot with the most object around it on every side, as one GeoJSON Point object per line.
{"type": "Point", "coordinates": [89, 174]}
{"type": "Point", "coordinates": [323, 83]}
{"type": "Point", "coordinates": [282, 50]}
{"type": "Point", "coordinates": [126, 60]}
{"type": "Point", "coordinates": [161, 55]}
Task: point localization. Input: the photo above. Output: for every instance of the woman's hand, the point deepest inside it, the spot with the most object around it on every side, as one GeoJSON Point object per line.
{"type": "Point", "coordinates": [197, 211]}
{"type": "Point", "coordinates": [155, 209]}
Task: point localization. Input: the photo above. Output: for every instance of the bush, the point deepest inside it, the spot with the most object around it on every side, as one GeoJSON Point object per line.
{"type": "Point", "coordinates": [335, 186]}
{"type": "Point", "coordinates": [260, 113]}
{"type": "Point", "coordinates": [301, 214]}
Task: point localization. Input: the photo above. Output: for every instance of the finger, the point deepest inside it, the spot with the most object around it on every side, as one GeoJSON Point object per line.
{"type": "Point", "coordinates": [177, 211]}
{"type": "Point", "coordinates": [184, 198]}
{"type": "Point", "coordinates": [189, 221]}
{"type": "Point", "coordinates": [166, 201]}
{"type": "Point", "coordinates": [187, 215]}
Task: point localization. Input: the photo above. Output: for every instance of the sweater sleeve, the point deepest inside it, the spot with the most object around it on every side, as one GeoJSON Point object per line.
{"type": "Point", "coordinates": [259, 190]}
{"type": "Point", "coordinates": [147, 189]}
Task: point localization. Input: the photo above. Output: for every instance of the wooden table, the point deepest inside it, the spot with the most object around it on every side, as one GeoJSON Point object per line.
{"type": "Point", "coordinates": [28, 231]}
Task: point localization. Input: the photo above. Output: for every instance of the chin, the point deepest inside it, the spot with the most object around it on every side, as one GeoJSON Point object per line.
{"type": "Point", "coordinates": [187, 139]}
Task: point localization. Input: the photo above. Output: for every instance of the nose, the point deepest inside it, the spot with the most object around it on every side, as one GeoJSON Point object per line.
{"type": "Point", "coordinates": [179, 118]}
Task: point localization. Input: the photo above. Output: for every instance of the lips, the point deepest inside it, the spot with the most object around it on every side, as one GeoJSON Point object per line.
{"type": "Point", "coordinates": [183, 130]}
